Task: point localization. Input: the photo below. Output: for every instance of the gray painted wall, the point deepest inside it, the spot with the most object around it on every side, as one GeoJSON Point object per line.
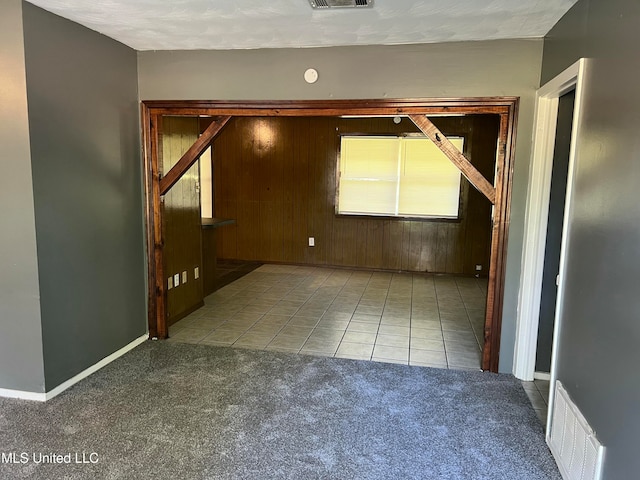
{"type": "Point", "coordinates": [600, 330]}
{"type": "Point", "coordinates": [85, 154]}
{"type": "Point", "coordinates": [465, 69]}
{"type": "Point", "coordinates": [20, 333]}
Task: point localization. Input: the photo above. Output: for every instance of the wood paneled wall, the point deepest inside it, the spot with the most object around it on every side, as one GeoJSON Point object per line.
{"type": "Point", "coordinates": [181, 218]}
{"type": "Point", "coordinates": [276, 177]}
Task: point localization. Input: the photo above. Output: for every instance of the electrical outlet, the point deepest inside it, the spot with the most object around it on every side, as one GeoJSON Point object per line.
{"type": "Point", "coordinates": [184, 277]}
{"type": "Point", "coordinates": [176, 280]}
{"type": "Point", "coordinates": [478, 268]}
{"type": "Point", "coordinates": [312, 242]}
{"type": "Point", "coordinates": [169, 283]}
{"type": "Point", "coordinates": [196, 273]}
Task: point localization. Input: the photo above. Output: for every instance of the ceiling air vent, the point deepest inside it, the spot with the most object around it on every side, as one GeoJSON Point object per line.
{"type": "Point", "coordinates": [340, 3]}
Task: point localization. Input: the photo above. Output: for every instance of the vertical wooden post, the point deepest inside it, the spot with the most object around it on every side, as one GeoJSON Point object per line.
{"type": "Point", "coordinates": [500, 229]}
{"type": "Point", "coordinates": [156, 288]}
{"type": "Point", "coordinates": [148, 199]}
{"type": "Point", "coordinates": [158, 242]}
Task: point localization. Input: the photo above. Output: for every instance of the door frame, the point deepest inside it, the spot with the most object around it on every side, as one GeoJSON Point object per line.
{"type": "Point", "coordinates": [505, 107]}
{"type": "Point", "coordinates": [537, 211]}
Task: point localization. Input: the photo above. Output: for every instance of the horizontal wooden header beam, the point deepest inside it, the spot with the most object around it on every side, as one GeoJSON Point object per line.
{"type": "Point", "coordinates": [431, 106]}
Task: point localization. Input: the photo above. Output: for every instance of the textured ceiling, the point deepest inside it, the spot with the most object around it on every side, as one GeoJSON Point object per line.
{"type": "Point", "coordinates": [233, 24]}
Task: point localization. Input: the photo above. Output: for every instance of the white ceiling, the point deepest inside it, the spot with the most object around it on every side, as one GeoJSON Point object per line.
{"type": "Point", "coordinates": [239, 24]}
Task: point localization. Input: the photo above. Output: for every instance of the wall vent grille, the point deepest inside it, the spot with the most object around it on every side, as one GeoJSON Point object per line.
{"type": "Point", "coordinates": [340, 3]}
{"type": "Point", "coordinates": [576, 449]}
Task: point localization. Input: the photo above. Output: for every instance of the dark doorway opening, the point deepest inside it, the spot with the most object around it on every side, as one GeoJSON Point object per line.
{"type": "Point", "coordinates": [557, 197]}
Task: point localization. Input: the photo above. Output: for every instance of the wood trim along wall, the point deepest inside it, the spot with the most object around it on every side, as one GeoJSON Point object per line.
{"type": "Point", "coordinates": [506, 107]}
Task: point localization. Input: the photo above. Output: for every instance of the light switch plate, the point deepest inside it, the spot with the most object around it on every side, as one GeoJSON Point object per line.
{"type": "Point", "coordinates": [196, 273]}
{"type": "Point", "coordinates": [176, 279]}
{"type": "Point", "coordinates": [184, 277]}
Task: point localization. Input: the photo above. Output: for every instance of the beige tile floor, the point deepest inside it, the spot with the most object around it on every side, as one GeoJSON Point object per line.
{"type": "Point", "coordinates": [538, 393]}
{"type": "Point", "coordinates": [414, 319]}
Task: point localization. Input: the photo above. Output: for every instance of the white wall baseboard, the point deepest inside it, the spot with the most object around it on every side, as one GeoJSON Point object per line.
{"type": "Point", "coordinates": [43, 397]}
{"type": "Point", "coordinates": [541, 376]}
{"type": "Point", "coordinates": [22, 395]}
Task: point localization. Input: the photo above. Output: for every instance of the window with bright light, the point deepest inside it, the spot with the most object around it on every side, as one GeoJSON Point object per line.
{"type": "Point", "coordinates": [206, 185]}
{"type": "Point", "coordinates": [397, 176]}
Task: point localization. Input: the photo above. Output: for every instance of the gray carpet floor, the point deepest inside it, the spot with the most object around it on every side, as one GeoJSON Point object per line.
{"type": "Point", "coordinates": [175, 411]}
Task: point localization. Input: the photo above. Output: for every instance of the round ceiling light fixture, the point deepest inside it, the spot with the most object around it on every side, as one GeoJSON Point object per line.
{"type": "Point", "coordinates": [311, 75]}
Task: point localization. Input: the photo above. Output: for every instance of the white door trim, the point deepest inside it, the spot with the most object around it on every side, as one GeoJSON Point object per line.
{"type": "Point", "coordinates": [537, 210]}
{"type": "Point", "coordinates": [568, 214]}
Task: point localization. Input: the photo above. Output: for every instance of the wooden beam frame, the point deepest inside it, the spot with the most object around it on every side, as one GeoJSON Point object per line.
{"type": "Point", "coordinates": [505, 107]}
{"type": "Point", "coordinates": [191, 156]}
{"type": "Point", "coordinates": [156, 289]}
{"type": "Point", "coordinates": [457, 158]}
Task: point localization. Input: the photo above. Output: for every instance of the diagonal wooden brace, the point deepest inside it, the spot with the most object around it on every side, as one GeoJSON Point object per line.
{"type": "Point", "coordinates": [459, 160]}
{"type": "Point", "coordinates": [191, 155]}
